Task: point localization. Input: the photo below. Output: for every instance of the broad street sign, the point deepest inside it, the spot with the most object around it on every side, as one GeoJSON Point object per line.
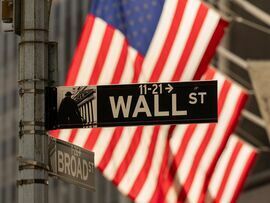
{"type": "Point", "coordinates": [72, 163]}
{"type": "Point", "coordinates": [131, 105]}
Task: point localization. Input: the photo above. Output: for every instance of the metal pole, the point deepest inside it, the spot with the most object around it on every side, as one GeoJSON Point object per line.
{"type": "Point", "coordinates": [253, 10]}
{"type": "Point", "coordinates": [258, 180]}
{"type": "Point", "coordinates": [33, 74]}
{"type": "Point", "coordinates": [232, 57]}
{"type": "Point", "coordinates": [254, 118]}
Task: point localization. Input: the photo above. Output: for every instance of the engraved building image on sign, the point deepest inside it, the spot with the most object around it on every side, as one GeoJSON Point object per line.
{"type": "Point", "coordinates": [75, 107]}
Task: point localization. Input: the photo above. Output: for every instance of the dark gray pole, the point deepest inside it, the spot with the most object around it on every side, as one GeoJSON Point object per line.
{"type": "Point", "coordinates": [33, 75]}
{"type": "Point", "coordinates": [253, 10]}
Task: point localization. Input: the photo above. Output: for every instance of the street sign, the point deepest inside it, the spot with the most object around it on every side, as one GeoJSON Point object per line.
{"type": "Point", "coordinates": [72, 163]}
{"type": "Point", "coordinates": [131, 105]}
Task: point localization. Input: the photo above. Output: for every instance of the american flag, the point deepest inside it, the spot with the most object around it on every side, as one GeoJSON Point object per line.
{"type": "Point", "coordinates": [231, 171]}
{"type": "Point", "coordinates": [145, 40]}
{"type": "Point", "coordinates": [131, 41]}
{"type": "Point", "coordinates": [196, 149]}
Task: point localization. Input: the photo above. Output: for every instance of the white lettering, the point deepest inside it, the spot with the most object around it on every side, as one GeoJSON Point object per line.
{"type": "Point", "coordinates": [60, 161]}
{"type": "Point", "coordinates": [120, 104]}
{"type": "Point", "coordinates": [67, 163]}
{"type": "Point", "coordinates": [144, 109]}
{"type": "Point", "coordinates": [79, 168]}
{"type": "Point", "coordinates": [91, 167]}
{"type": "Point", "coordinates": [73, 166]}
{"type": "Point", "coordinates": [175, 112]}
{"type": "Point", "coordinates": [85, 170]}
{"type": "Point", "coordinates": [192, 97]}
{"type": "Point", "coordinates": [202, 94]}
{"type": "Point", "coordinates": [156, 107]}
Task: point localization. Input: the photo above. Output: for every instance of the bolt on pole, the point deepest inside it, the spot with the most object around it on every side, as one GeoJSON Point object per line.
{"type": "Point", "coordinates": [33, 77]}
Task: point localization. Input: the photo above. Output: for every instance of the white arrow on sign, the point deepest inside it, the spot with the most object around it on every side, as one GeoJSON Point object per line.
{"type": "Point", "coordinates": [169, 88]}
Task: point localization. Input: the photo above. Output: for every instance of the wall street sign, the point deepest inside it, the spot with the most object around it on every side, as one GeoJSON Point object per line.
{"type": "Point", "coordinates": [131, 105]}
{"type": "Point", "coordinates": [72, 163]}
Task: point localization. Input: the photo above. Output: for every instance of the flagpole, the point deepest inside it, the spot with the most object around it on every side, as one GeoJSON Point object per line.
{"type": "Point", "coordinates": [253, 10]}
{"type": "Point", "coordinates": [233, 57]}
{"type": "Point", "coordinates": [255, 119]}
{"type": "Point", "coordinates": [243, 64]}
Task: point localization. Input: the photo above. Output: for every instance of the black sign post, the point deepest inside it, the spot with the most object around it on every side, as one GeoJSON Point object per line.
{"type": "Point", "coordinates": [132, 105]}
{"type": "Point", "coordinates": [72, 163]}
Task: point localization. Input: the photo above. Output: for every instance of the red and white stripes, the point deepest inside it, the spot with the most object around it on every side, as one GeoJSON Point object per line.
{"type": "Point", "coordinates": [182, 46]}
{"type": "Point", "coordinates": [134, 158]}
{"type": "Point", "coordinates": [231, 171]}
{"type": "Point", "coordinates": [186, 37]}
{"type": "Point", "coordinates": [196, 148]}
{"type": "Point", "coordinates": [184, 43]}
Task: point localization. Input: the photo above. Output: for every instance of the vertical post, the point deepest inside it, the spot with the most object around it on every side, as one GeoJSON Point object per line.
{"type": "Point", "coordinates": [33, 76]}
